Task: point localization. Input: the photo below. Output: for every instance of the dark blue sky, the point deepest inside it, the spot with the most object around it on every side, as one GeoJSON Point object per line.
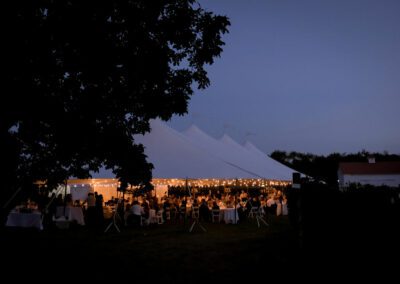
{"type": "Point", "coordinates": [305, 75]}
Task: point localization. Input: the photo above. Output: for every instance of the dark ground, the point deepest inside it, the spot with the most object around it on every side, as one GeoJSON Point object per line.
{"type": "Point", "coordinates": [160, 253]}
{"type": "Point", "coordinates": [169, 253]}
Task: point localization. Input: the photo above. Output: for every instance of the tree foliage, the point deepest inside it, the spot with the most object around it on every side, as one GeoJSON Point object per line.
{"type": "Point", "coordinates": [83, 77]}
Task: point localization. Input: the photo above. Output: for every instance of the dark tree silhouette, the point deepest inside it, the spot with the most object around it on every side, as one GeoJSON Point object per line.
{"type": "Point", "coordinates": [82, 77]}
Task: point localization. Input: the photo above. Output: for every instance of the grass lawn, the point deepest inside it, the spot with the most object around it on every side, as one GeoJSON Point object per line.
{"type": "Point", "coordinates": [158, 253]}
{"type": "Point", "coordinates": [171, 254]}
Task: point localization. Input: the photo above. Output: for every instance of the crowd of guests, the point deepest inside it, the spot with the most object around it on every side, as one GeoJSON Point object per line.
{"type": "Point", "coordinates": [49, 205]}
{"type": "Point", "coordinates": [146, 209]}
{"type": "Point", "coordinates": [179, 208]}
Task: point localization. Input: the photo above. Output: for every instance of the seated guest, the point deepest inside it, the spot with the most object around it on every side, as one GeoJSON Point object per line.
{"type": "Point", "coordinates": [256, 202]}
{"type": "Point", "coordinates": [215, 206]}
{"type": "Point", "coordinates": [243, 196]}
{"type": "Point", "coordinates": [167, 204]}
{"type": "Point", "coordinates": [249, 204]}
{"type": "Point", "coordinates": [229, 204]}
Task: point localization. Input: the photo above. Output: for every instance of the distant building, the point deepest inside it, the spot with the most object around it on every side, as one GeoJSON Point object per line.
{"type": "Point", "coordinates": [372, 173]}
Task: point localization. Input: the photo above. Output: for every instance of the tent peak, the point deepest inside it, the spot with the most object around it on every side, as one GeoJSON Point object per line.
{"type": "Point", "coordinates": [226, 137]}
{"type": "Point", "coordinates": [194, 130]}
{"type": "Point", "coordinates": [193, 127]}
{"type": "Point", "coordinates": [247, 143]}
{"type": "Point", "coordinates": [251, 147]}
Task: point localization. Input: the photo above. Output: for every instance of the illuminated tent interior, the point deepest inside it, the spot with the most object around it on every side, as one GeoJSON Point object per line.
{"type": "Point", "coordinates": [79, 188]}
{"type": "Point", "coordinates": [194, 158]}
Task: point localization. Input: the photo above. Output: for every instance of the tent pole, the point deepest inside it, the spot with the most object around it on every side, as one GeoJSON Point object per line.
{"type": "Point", "coordinates": [235, 212]}
{"type": "Point", "coordinates": [12, 197]}
{"type": "Point", "coordinates": [65, 195]}
{"type": "Point", "coordinates": [187, 187]}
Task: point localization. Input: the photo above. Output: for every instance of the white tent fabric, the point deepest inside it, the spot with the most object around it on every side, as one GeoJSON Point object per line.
{"type": "Point", "coordinates": [194, 154]}
{"type": "Point", "coordinates": [214, 148]}
{"type": "Point", "coordinates": [232, 153]}
{"type": "Point", "coordinates": [262, 163]}
{"type": "Point", "coordinates": [250, 147]}
{"type": "Point", "coordinates": [279, 166]}
{"type": "Point", "coordinates": [81, 192]}
{"type": "Point", "coordinates": [174, 156]}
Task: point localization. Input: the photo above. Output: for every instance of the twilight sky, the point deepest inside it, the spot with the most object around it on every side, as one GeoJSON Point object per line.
{"type": "Point", "coordinates": [305, 75]}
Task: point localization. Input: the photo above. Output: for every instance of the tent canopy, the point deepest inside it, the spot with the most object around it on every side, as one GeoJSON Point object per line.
{"type": "Point", "coordinates": [196, 155]}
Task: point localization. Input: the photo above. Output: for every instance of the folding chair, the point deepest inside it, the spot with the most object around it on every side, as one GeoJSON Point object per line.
{"type": "Point", "coordinates": [215, 215]}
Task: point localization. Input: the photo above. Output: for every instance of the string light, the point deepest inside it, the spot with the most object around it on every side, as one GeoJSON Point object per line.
{"type": "Point", "coordinates": [219, 182]}
{"type": "Point", "coordinates": [200, 183]}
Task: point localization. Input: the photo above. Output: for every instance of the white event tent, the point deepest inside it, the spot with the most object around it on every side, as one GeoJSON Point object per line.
{"type": "Point", "coordinates": [258, 164]}
{"type": "Point", "coordinates": [195, 155]}
{"type": "Point", "coordinates": [174, 155]}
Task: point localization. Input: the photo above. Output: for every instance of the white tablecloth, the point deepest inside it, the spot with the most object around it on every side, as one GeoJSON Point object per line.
{"type": "Point", "coordinates": [228, 215]}
{"type": "Point", "coordinates": [25, 220]}
{"type": "Point", "coordinates": [72, 213]}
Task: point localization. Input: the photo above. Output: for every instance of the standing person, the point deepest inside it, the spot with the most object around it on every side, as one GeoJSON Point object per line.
{"type": "Point", "coordinates": [137, 213]}
{"type": "Point", "coordinates": [278, 203]}
{"type": "Point", "coordinates": [91, 210]}
{"type": "Point", "coordinates": [271, 205]}
{"type": "Point", "coordinates": [49, 210]}
{"type": "Point", "coordinates": [146, 209]}
{"type": "Point", "coordinates": [294, 207]}
{"type": "Point", "coordinates": [284, 206]}
{"type": "Point", "coordinates": [99, 211]}
{"type": "Point", "coordinates": [204, 211]}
